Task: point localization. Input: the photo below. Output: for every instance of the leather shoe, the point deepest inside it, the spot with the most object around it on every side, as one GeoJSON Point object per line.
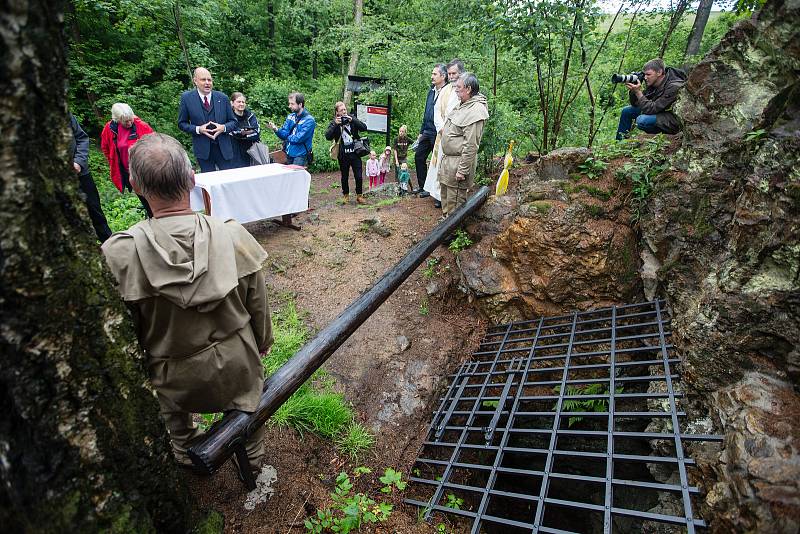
{"type": "Point", "coordinates": [437, 204]}
{"type": "Point", "coordinates": [424, 194]}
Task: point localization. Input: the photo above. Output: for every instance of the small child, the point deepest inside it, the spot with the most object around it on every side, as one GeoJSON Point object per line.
{"type": "Point", "coordinates": [386, 162]}
{"type": "Point", "coordinates": [373, 169]}
{"type": "Point", "coordinates": [404, 177]}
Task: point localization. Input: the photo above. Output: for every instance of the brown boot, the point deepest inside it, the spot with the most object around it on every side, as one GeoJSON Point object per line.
{"type": "Point", "coordinates": [360, 199]}
{"type": "Point", "coordinates": [345, 199]}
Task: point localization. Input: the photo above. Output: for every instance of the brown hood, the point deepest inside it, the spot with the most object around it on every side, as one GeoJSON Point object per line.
{"type": "Point", "coordinates": [473, 110]}
{"type": "Point", "coordinates": [190, 260]}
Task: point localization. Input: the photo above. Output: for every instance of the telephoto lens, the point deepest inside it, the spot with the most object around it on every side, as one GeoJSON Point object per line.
{"type": "Point", "coordinates": [627, 78]}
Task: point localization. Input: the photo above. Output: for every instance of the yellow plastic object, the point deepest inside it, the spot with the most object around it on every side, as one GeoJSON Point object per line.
{"type": "Point", "coordinates": [502, 182]}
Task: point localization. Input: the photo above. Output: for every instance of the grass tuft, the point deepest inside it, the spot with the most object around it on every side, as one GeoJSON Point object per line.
{"type": "Point", "coordinates": [355, 440]}
{"type": "Point", "coordinates": [326, 414]}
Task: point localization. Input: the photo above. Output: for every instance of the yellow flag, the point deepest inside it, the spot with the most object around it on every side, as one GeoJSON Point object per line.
{"type": "Point", "coordinates": [502, 182]}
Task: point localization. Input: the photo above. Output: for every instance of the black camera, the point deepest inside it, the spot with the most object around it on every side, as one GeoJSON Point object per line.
{"type": "Point", "coordinates": [633, 77]}
{"type": "Point", "coordinates": [345, 119]}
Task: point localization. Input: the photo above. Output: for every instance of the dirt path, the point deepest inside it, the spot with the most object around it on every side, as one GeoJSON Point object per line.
{"type": "Point", "coordinates": [340, 252]}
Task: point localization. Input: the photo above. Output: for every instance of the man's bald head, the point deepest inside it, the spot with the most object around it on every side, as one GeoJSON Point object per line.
{"type": "Point", "coordinates": [160, 167]}
{"type": "Point", "coordinates": [202, 80]}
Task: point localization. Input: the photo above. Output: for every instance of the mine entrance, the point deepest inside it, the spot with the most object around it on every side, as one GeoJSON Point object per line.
{"type": "Point", "coordinates": [564, 424]}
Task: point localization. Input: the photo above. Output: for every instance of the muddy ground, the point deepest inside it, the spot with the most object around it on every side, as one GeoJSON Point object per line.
{"type": "Point", "coordinates": [339, 253]}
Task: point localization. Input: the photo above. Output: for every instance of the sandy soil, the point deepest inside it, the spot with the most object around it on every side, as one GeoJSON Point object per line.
{"type": "Point", "coordinates": [339, 253]}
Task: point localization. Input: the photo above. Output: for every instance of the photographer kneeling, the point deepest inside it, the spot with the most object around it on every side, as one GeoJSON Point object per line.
{"type": "Point", "coordinates": [651, 109]}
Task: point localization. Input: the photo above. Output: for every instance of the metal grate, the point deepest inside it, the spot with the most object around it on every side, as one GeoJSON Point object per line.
{"type": "Point", "coordinates": [549, 428]}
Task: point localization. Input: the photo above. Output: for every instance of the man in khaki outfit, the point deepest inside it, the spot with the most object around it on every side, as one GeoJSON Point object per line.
{"type": "Point", "coordinates": [461, 137]}
{"type": "Point", "coordinates": [198, 297]}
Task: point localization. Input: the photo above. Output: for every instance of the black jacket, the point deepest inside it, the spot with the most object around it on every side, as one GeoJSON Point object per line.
{"type": "Point", "coordinates": [658, 101]}
{"type": "Point", "coordinates": [79, 145]}
{"type": "Point", "coordinates": [334, 131]}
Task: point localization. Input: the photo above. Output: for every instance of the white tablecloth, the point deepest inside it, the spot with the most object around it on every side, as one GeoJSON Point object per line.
{"type": "Point", "coordinates": [253, 193]}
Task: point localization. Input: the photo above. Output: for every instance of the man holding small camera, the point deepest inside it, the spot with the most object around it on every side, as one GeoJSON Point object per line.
{"type": "Point", "coordinates": [651, 109]}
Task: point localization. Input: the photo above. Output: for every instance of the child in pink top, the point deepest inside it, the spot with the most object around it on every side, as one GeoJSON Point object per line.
{"type": "Point", "coordinates": [373, 169]}
{"type": "Point", "coordinates": [385, 162]}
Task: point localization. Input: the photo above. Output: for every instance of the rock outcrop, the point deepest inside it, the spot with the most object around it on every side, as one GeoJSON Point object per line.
{"type": "Point", "coordinates": [726, 238]}
{"type": "Point", "coordinates": [563, 241]}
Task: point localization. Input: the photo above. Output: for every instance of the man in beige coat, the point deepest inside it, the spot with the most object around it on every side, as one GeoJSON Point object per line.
{"type": "Point", "coordinates": [198, 297]}
{"type": "Point", "coordinates": [461, 137]}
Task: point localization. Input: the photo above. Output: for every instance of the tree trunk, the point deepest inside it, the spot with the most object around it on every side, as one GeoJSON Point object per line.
{"type": "Point", "coordinates": [314, 58]}
{"type": "Point", "coordinates": [273, 62]}
{"type": "Point", "coordinates": [698, 28]}
{"type": "Point", "coordinates": [78, 40]}
{"type": "Point", "coordinates": [176, 15]}
{"type": "Point", "coordinates": [352, 67]}
{"type": "Point", "coordinates": [674, 20]}
{"type": "Point", "coordinates": [82, 446]}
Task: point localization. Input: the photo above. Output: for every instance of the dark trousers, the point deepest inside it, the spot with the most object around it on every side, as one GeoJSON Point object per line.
{"type": "Point", "coordinates": [92, 199]}
{"type": "Point", "coordinates": [346, 162]}
{"type": "Point", "coordinates": [424, 149]}
{"type": "Point", "coordinates": [215, 161]}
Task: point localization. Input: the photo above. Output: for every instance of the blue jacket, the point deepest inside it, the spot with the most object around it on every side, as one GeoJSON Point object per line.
{"type": "Point", "coordinates": [299, 139]}
{"type": "Point", "coordinates": [192, 114]}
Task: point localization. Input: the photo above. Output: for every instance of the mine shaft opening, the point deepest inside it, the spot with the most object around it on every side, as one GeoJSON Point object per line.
{"type": "Point", "coordinates": [564, 424]}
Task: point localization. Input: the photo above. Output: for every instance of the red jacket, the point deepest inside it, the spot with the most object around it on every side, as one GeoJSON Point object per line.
{"type": "Point", "coordinates": [108, 144]}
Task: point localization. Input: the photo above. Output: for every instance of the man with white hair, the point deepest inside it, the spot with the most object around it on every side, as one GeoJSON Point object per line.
{"type": "Point", "coordinates": [198, 297]}
{"type": "Point", "coordinates": [461, 138]}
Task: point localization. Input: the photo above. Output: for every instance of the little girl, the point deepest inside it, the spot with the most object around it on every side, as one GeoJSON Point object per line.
{"type": "Point", "coordinates": [386, 162]}
{"type": "Point", "coordinates": [373, 169]}
{"type": "Point", "coordinates": [404, 177]}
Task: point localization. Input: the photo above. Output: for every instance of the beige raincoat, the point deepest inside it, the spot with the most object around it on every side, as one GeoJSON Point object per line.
{"type": "Point", "coordinates": [199, 301]}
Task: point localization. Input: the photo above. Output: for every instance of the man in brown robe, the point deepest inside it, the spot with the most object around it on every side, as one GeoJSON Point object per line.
{"type": "Point", "coordinates": [461, 137]}
{"type": "Point", "coordinates": [198, 297]}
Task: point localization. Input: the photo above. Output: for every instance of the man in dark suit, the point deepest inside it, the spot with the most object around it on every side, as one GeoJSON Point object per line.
{"type": "Point", "coordinates": [207, 115]}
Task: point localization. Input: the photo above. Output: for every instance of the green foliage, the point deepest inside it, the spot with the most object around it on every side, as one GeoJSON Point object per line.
{"type": "Point", "coordinates": [647, 162]}
{"type": "Point", "coordinates": [534, 61]}
{"type": "Point", "coordinates": [593, 168]}
{"type": "Point", "coordinates": [454, 502]}
{"type": "Point", "coordinates": [289, 332]}
{"type": "Point", "coordinates": [381, 203]}
{"type": "Point", "coordinates": [755, 135]}
{"type": "Point", "coordinates": [355, 441]}
{"type": "Point", "coordinates": [351, 510]}
{"type": "Point", "coordinates": [392, 479]}
{"type": "Point", "coordinates": [587, 405]}
{"type": "Point", "coordinates": [461, 241]}
{"type": "Point", "coordinates": [423, 307]}
{"type": "Point", "coordinates": [430, 268]}
{"type": "Point", "coordinates": [326, 414]}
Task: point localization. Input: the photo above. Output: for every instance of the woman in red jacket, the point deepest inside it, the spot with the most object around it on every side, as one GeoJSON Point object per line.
{"type": "Point", "coordinates": [119, 134]}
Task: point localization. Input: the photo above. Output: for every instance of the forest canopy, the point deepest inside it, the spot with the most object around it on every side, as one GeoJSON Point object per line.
{"type": "Point", "coordinates": [544, 65]}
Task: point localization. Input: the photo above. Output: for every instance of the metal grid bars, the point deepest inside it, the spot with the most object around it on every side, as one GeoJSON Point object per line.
{"type": "Point", "coordinates": [552, 427]}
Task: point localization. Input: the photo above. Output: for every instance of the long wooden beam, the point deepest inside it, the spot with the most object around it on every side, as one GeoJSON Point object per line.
{"type": "Point", "coordinates": [210, 451]}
